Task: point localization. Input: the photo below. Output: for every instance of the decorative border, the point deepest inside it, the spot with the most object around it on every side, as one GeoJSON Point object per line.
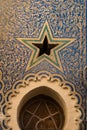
{"type": "Point", "coordinates": [2, 101]}
{"type": "Point", "coordinates": [65, 89]}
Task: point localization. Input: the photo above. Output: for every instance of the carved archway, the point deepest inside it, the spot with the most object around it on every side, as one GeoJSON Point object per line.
{"type": "Point", "coordinates": [54, 86]}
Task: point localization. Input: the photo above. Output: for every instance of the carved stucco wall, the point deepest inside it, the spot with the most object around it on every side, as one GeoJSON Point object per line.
{"type": "Point", "coordinates": [25, 19]}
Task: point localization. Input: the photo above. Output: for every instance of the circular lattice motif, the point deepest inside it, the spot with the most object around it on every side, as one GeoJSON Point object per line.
{"type": "Point", "coordinates": [41, 113]}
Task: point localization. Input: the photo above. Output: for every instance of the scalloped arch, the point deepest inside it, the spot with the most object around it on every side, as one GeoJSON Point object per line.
{"type": "Point", "coordinates": [52, 85]}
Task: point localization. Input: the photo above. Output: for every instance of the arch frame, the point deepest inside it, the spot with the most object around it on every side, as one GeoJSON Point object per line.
{"type": "Point", "coordinates": [53, 85]}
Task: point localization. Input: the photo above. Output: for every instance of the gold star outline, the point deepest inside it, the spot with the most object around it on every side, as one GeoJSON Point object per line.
{"type": "Point", "coordinates": [54, 57]}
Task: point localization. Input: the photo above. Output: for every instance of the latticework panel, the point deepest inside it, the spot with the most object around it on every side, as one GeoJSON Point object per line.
{"type": "Point", "coordinates": [41, 113]}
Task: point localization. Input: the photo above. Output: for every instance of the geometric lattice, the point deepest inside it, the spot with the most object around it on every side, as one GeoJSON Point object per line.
{"type": "Point", "coordinates": [41, 113]}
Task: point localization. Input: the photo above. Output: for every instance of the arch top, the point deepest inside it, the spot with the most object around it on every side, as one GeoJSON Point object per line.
{"type": "Point", "coordinates": [52, 85]}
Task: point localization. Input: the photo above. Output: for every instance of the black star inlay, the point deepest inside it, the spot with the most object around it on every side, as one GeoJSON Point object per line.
{"type": "Point", "coordinates": [45, 47]}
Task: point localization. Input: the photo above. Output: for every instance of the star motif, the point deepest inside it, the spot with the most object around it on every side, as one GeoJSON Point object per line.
{"type": "Point", "coordinates": [55, 45]}
{"type": "Point", "coordinates": [45, 47]}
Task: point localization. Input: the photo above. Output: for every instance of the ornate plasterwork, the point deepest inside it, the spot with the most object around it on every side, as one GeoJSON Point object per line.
{"type": "Point", "coordinates": [53, 58]}
{"type": "Point", "coordinates": [25, 19]}
{"type": "Point", "coordinates": [52, 85]}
